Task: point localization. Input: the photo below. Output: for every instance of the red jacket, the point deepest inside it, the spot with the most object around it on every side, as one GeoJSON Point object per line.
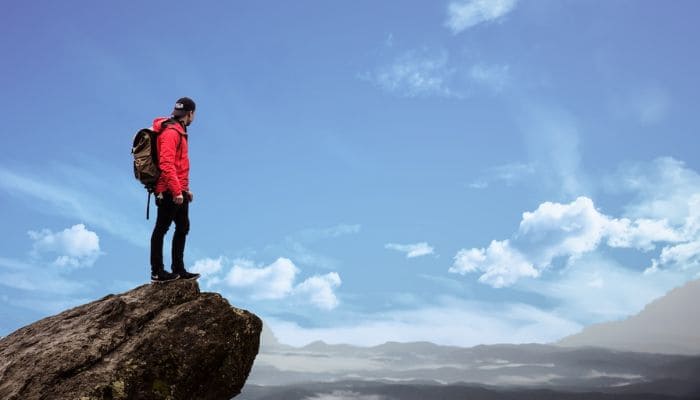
{"type": "Point", "coordinates": [173, 158]}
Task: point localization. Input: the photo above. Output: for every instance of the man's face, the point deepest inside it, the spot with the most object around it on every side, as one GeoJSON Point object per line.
{"type": "Point", "coordinates": [190, 118]}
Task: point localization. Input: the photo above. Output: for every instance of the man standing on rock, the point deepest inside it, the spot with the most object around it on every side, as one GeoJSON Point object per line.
{"type": "Point", "coordinates": [172, 191]}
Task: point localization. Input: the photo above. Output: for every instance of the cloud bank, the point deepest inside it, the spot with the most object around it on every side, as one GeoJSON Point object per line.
{"type": "Point", "coordinates": [449, 321]}
{"type": "Point", "coordinates": [553, 231]}
{"type": "Point", "coordinates": [276, 281]}
{"type": "Point", "coordinates": [666, 212]}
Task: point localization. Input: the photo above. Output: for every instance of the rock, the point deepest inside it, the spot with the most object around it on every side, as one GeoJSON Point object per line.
{"type": "Point", "coordinates": [165, 341]}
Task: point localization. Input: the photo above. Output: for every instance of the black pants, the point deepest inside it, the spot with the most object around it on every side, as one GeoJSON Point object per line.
{"type": "Point", "coordinates": [168, 212]}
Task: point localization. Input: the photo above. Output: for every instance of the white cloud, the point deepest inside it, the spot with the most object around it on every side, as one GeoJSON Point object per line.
{"type": "Point", "coordinates": [38, 284]}
{"type": "Point", "coordinates": [411, 250]}
{"type": "Point", "coordinates": [595, 290]}
{"type": "Point", "coordinates": [685, 255]}
{"type": "Point", "coordinates": [556, 230]}
{"type": "Point", "coordinates": [573, 228]}
{"type": "Point", "coordinates": [279, 280]}
{"type": "Point", "coordinates": [274, 281]}
{"type": "Point", "coordinates": [641, 234]}
{"type": "Point", "coordinates": [208, 266]}
{"type": "Point", "coordinates": [500, 263]}
{"type": "Point", "coordinates": [75, 246]}
{"type": "Point", "coordinates": [417, 74]}
{"type": "Point", "coordinates": [466, 14]}
{"type": "Point", "coordinates": [664, 189]}
{"type": "Point", "coordinates": [319, 290]}
{"type": "Point", "coordinates": [667, 211]}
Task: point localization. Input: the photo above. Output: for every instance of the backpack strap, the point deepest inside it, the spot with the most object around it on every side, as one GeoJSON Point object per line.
{"type": "Point", "coordinates": [148, 204]}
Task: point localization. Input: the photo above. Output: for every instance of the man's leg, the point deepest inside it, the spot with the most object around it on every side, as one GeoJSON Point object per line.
{"type": "Point", "coordinates": [182, 228]}
{"type": "Point", "coordinates": [165, 217]}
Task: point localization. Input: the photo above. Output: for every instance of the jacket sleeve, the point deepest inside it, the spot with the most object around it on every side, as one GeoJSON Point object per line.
{"type": "Point", "coordinates": [167, 153]}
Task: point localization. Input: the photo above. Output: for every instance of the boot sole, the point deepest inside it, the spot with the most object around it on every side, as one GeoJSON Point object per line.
{"type": "Point", "coordinates": [169, 280]}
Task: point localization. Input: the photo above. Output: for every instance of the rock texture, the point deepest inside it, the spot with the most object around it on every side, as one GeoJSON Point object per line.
{"type": "Point", "coordinates": [165, 341]}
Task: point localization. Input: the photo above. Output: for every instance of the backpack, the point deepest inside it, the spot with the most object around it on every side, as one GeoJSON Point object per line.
{"type": "Point", "coordinates": [145, 155]}
{"type": "Point", "coordinates": [145, 152]}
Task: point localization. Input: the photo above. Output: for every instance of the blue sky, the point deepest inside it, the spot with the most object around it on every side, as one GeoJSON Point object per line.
{"type": "Point", "coordinates": [461, 172]}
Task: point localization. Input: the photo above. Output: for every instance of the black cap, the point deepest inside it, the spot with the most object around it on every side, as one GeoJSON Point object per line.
{"type": "Point", "coordinates": [183, 106]}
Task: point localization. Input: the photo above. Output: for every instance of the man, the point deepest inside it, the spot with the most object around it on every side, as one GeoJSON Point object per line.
{"type": "Point", "coordinates": [172, 191]}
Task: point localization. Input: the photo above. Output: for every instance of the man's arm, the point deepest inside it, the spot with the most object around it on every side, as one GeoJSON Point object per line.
{"type": "Point", "coordinates": [167, 152]}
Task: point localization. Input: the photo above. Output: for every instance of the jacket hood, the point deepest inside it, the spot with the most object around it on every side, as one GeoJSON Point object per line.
{"type": "Point", "coordinates": [158, 124]}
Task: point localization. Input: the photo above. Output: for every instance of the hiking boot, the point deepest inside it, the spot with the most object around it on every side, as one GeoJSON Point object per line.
{"type": "Point", "coordinates": [163, 276]}
{"type": "Point", "coordinates": [187, 275]}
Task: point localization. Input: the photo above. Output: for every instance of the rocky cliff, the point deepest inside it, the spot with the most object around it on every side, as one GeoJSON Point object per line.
{"type": "Point", "coordinates": [165, 341]}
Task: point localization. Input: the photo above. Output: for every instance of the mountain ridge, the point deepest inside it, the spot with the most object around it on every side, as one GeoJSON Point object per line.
{"type": "Point", "coordinates": [667, 325]}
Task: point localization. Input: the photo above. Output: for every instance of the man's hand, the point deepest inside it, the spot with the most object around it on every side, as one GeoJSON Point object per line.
{"type": "Point", "coordinates": [190, 196]}
{"type": "Point", "coordinates": [178, 199]}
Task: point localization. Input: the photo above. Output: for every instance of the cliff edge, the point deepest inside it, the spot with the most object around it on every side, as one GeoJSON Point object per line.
{"type": "Point", "coordinates": [165, 341]}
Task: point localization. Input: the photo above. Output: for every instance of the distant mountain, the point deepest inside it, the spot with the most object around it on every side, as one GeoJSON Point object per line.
{"type": "Point", "coordinates": [521, 366]}
{"type": "Point", "coordinates": [669, 325]}
{"type": "Point", "coordinates": [652, 355]}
